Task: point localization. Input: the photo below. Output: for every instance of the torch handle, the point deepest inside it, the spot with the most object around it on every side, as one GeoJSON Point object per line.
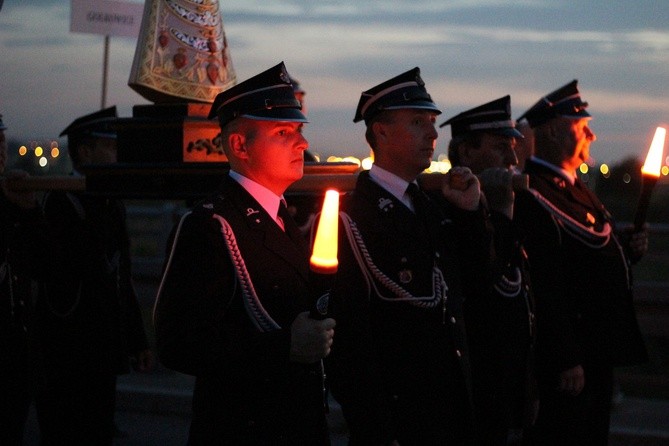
{"type": "Point", "coordinates": [321, 283]}
{"type": "Point", "coordinates": [320, 309]}
{"type": "Point", "coordinates": [644, 199]}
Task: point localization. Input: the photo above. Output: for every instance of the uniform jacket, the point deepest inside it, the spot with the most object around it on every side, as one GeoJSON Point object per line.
{"type": "Point", "coordinates": [500, 331]}
{"type": "Point", "coordinates": [399, 363]}
{"type": "Point", "coordinates": [236, 342]}
{"type": "Point", "coordinates": [89, 317]}
{"type": "Point", "coordinates": [580, 274]}
{"type": "Point", "coordinates": [21, 243]}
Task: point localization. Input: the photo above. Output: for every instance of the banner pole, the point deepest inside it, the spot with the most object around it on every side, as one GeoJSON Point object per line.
{"type": "Point", "coordinates": [105, 69]}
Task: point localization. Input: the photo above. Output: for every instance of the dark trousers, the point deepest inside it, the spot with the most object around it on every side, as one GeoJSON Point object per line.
{"type": "Point", "coordinates": [565, 420]}
{"type": "Point", "coordinates": [77, 409]}
{"type": "Point", "coordinates": [16, 389]}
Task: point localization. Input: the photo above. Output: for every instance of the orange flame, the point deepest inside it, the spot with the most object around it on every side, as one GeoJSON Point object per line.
{"type": "Point", "coordinates": [324, 257]}
{"type": "Point", "coordinates": [653, 164]}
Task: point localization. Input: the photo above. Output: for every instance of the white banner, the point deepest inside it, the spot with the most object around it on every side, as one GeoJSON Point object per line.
{"type": "Point", "coordinates": [107, 17]}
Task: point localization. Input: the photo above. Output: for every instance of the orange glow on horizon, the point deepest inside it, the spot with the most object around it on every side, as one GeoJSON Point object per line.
{"type": "Point", "coordinates": [653, 163]}
{"type": "Point", "coordinates": [324, 257]}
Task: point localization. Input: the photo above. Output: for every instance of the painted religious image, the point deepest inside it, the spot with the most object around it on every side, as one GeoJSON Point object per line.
{"type": "Point", "coordinates": [182, 52]}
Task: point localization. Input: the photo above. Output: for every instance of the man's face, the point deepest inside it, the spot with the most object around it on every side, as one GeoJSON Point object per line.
{"type": "Point", "coordinates": [494, 151]}
{"type": "Point", "coordinates": [275, 154]}
{"type": "Point", "coordinates": [574, 137]}
{"type": "Point", "coordinates": [3, 151]}
{"type": "Point", "coordinates": [406, 143]}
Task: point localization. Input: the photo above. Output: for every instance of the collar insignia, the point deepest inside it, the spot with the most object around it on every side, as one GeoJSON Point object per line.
{"type": "Point", "coordinates": [385, 204]}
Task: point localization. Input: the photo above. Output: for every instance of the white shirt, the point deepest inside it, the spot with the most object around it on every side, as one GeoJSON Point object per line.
{"type": "Point", "coordinates": [392, 183]}
{"type": "Point", "coordinates": [267, 199]}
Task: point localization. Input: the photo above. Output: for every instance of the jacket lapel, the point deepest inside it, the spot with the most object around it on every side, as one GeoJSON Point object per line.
{"type": "Point", "coordinates": [289, 245]}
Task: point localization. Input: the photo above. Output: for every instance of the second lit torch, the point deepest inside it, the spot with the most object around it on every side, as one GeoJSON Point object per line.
{"type": "Point", "coordinates": [323, 262]}
{"type": "Point", "coordinates": [650, 174]}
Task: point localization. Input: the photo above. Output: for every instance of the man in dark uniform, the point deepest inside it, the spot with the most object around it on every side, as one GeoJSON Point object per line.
{"type": "Point", "coordinates": [232, 308]}
{"type": "Point", "coordinates": [303, 207]}
{"type": "Point", "coordinates": [89, 321]}
{"type": "Point", "coordinates": [499, 323]}
{"type": "Point", "coordinates": [21, 235]}
{"type": "Point", "coordinates": [399, 367]}
{"type": "Point", "coordinates": [581, 277]}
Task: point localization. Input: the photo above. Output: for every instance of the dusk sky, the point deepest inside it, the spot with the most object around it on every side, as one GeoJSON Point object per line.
{"type": "Point", "coordinates": [469, 52]}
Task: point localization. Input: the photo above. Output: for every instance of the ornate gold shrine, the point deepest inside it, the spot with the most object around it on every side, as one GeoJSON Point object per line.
{"type": "Point", "coordinates": [182, 53]}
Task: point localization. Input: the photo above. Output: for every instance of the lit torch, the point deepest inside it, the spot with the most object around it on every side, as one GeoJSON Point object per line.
{"type": "Point", "coordinates": [323, 262]}
{"type": "Point", "coordinates": [323, 265]}
{"type": "Point", "coordinates": [650, 174]}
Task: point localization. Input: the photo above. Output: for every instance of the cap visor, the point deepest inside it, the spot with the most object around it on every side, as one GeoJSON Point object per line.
{"type": "Point", "coordinates": [508, 131]}
{"type": "Point", "coordinates": [277, 114]}
{"type": "Point", "coordinates": [578, 115]}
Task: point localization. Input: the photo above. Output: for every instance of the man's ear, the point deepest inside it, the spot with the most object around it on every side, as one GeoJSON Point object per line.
{"type": "Point", "coordinates": [464, 153]}
{"type": "Point", "coordinates": [380, 130]}
{"type": "Point", "coordinates": [554, 128]}
{"type": "Point", "coordinates": [237, 144]}
{"type": "Point", "coordinates": [85, 152]}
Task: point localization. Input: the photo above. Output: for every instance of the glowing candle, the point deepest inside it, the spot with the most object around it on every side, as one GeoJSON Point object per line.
{"type": "Point", "coordinates": [650, 174]}
{"type": "Point", "coordinates": [324, 257]}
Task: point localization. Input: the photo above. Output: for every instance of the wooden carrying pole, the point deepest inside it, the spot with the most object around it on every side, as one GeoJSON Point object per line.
{"type": "Point", "coordinates": [132, 182]}
{"type": "Point", "coordinates": [175, 182]}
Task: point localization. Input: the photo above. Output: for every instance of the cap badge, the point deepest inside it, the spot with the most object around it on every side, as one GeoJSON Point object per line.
{"type": "Point", "coordinates": [284, 75]}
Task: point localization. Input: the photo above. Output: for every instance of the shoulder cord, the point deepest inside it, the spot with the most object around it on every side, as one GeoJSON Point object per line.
{"type": "Point", "coordinates": [510, 287]}
{"type": "Point", "coordinates": [587, 236]}
{"type": "Point", "coordinates": [581, 232]}
{"type": "Point", "coordinates": [232, 245]}
{"type": "Point", "coordinates": [372, 273]}
{"type": "Point", "coordinates": [259, 316]}
{"type": "Point", "coordinates": [169, 263]}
